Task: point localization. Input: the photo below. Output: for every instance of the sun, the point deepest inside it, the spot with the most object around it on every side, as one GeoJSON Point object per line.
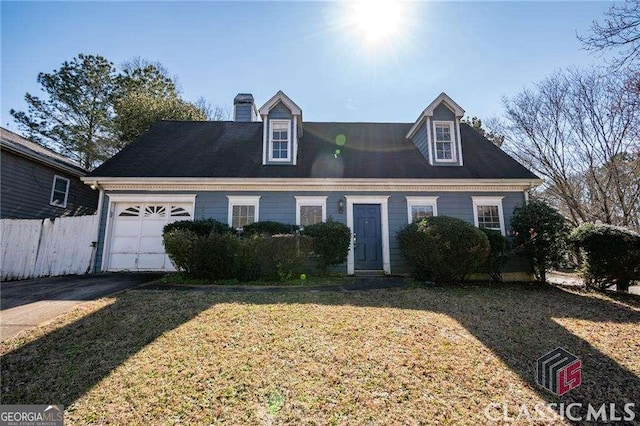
{"type": "Point", "coordinates": [377, 19]}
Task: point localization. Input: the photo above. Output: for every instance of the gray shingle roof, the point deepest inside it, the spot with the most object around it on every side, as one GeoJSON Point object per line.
{"type": "Point", "coordinates": [234, 150]}
{"type": "Point", "coordinates": [21, 145]}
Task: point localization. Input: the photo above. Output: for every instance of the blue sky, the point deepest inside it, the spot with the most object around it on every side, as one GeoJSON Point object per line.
{"type": "Point", "coordinates": [477, 52]}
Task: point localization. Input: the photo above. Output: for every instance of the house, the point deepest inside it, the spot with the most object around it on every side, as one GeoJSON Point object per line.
{"type": "Point", "coordinates": [38, 183]}
{"type": "Point", "coordinates": [270, 164]}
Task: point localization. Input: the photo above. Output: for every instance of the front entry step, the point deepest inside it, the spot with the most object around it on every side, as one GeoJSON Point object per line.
{"type": "Point", "coordinates": [369, 273]}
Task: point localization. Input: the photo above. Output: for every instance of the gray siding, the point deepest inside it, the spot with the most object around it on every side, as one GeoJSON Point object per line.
{"type": "Point", "coordinates": [244, 112]}
{"type": "Point", "coordinates": [280, 112]}
{"type": "Point", "coordinates": [281, 207]}
{"type": "Point", "coordinates": [26, 191]}
{"type": "Point", "coordinates": [420, 139]}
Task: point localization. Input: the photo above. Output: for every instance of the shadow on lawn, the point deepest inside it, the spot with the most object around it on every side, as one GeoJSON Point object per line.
{"type": "Point", "coordinates": [62, 365]}
{"type": "Point", "coordinates": [517, 323]}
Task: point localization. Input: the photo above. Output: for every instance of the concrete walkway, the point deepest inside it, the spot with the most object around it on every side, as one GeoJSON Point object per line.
{"type": "Point", "coordinates": [27, 303]}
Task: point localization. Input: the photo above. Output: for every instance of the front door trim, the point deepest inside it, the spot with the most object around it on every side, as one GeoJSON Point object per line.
{"type": "Point", "coordinates": [383, 201]}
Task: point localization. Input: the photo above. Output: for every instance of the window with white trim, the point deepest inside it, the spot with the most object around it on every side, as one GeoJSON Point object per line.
{"type": "Point", "coordinates": [310, 210]}
{"type": "Point", "coordinates": [280, 140]}
{"type": "Point", "coordinates": [59, 191]}
{"type": "Point", "coordinates": [444, 141]}
{"type": "Point", "coordinates": [420, 207]}
{"type": "Point", "coordinates": [488, 214]}
{"type": "Point", "coordinates": [243, 210]}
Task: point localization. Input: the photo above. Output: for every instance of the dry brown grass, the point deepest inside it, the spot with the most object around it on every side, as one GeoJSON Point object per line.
{"type": "Point", "coordinates": [435, 356]}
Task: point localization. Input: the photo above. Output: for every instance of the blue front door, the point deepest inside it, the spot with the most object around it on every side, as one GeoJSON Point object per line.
{"type": "Point", "coordinates": [368, 237]}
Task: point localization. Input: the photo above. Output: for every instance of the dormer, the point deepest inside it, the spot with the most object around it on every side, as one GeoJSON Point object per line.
{"type": "Point", "coordinates": [282, 128]}
{"type": "Point", "coordinates": [436, 133]}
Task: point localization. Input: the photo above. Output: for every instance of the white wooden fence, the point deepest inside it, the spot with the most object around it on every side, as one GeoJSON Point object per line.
{"type": "Point", "coordinates": [34, 248]}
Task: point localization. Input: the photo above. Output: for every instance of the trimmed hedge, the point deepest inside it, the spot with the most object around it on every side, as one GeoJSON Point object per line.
{"type": "Point", "coordinates": [611, 255]}
{"type": "Point", "coordinates": [540, 235]}
{"type": "Point", "coordinates": [210, 250]}
{"type": "Point", "coordinates": [443, 249]}
{"type": "Point", "coordinates": [269, 228]}
{"type": "Point", "coordinates": [211, 256]}
{"type": "Point", "coordinates": [331, 241]}
{"type": "Point", "coordinates": [202, 227]}
{"type": "Point", "coordinates": [498, 253]}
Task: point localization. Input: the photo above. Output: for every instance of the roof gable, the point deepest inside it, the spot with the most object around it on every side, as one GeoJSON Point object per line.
{"type": "Point", "coordinates": [442, 98]}
{"type": "Point", "coordinates": [280, 97]}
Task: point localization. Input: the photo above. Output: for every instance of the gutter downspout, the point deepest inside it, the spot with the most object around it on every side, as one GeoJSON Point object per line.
{"type": "Point", "coordinates": [94, 254]}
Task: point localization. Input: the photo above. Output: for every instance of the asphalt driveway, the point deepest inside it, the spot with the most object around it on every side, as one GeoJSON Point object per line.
{"type": "Point", "coordinates": [27, 303]}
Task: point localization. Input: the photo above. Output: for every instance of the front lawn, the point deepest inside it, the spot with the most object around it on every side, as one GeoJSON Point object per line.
{"type": "Point", "coordinates": [437, 355]}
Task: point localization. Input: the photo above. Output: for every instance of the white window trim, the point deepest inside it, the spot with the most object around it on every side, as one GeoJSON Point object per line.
{"type": "Point", "coordinates": [311, 201]}
{"type": "Point", "coordinates": [488, 201]}
{"type": "Point", "coordinates": [53, 189]}
{"type": "Point", "coordinates": [243, 200]}
{"type": "Point", "coordinates": [136, 198]}
{"type": "Point", "coordinates": [421, 201]}
{"type": "Point", "coordinates": [454, 150]}
{"type": "Point", "coordinates": [384, 218]}
{"type": "Point", "coordinates": [289, 139]}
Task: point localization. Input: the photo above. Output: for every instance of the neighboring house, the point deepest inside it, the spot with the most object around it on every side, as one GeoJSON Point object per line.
{"type": "Point", "coordinates": [375, 177]}
{"type": "Point", "coordinates": [38, 183]}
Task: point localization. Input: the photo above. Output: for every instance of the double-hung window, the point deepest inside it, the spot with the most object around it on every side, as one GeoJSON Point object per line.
{"type": "Point", "coordinates": [421, 207]}
{"type": "Point", "coordinates": [243, 210]}
{"type": "Point", "coordinates": [280, 140]}
{"type": "Point", "coordinates": [311, 210]}
{"type": "Point", "coordinates": [444, 141]}
{"type": "Point", "coordinates": [59, 191]}
{"type": "Point", "coordinates": [488, 214]}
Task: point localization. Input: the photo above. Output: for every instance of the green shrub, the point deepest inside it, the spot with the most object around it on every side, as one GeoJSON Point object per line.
{"type": "Point", "coordinates": [269, 228]}
{"type": "Point", "coordinates": [271, 258]}
{"type": "Point", "coordinates": [331, 241]}
{"type": "Point", "coordinates": [285, 256]}
{"type": "Point", "coordinates": [179, 245]}
{"type": "Point", "coordinates": [443, 249]}
{"type": "Point", "coordinates": [212, 256]}
{"type": "Point", "coordinates": [250, 257]}
{"type": "Point", "coordinates": [498, 253]}
{"type": "Point", "coordinates": [540, 235]}
{"type": "Point", "coordinates": [611, 255]}
{"type": "Point", "coordinates": [202, 227]}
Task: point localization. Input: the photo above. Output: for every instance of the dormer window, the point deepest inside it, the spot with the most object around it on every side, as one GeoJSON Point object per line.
{"type": "Point", "coordinates": [281, 131]}
{"type": "Point", "coordinates": [280, 140]}
{"type": "Point", "coordinates": [444, 144]}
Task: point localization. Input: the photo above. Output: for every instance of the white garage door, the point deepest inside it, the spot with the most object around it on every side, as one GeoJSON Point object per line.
{"type": "Point", "coordinates": [136, 235]}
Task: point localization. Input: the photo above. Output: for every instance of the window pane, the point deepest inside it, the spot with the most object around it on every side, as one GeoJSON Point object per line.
{"type": "Point", "coordinates": [488, 217]}
{"type": "Point", "coordinates": [243, 215]}
{"type": "Point", "coordinates": [58, 197]}
{"type": "Point", "coordinates": [443, 151]}
{"type": "Point", "coordinates": [443, 133]}
{"type": "Point", "coordinates": [61, 185]}
{"type": "Point", "coordinates": [418, 212]}
{"type": "Point", "coordinates": [310, 215]}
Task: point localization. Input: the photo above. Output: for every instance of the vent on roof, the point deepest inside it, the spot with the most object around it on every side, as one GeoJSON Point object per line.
{"type": "Point", "coordinates": [244, 108]}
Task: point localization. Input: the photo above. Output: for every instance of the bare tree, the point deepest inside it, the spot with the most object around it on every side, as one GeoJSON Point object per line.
{"type": "Point", "coordinates": [579, 130]}
{"type": "Point", "coordinates": [213, 112]}
{"type": "Point", "coordinates": [620, 31]}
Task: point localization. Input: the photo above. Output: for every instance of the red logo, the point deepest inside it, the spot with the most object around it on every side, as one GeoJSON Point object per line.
{"type": "Point", "coordinates": [559, 371]}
